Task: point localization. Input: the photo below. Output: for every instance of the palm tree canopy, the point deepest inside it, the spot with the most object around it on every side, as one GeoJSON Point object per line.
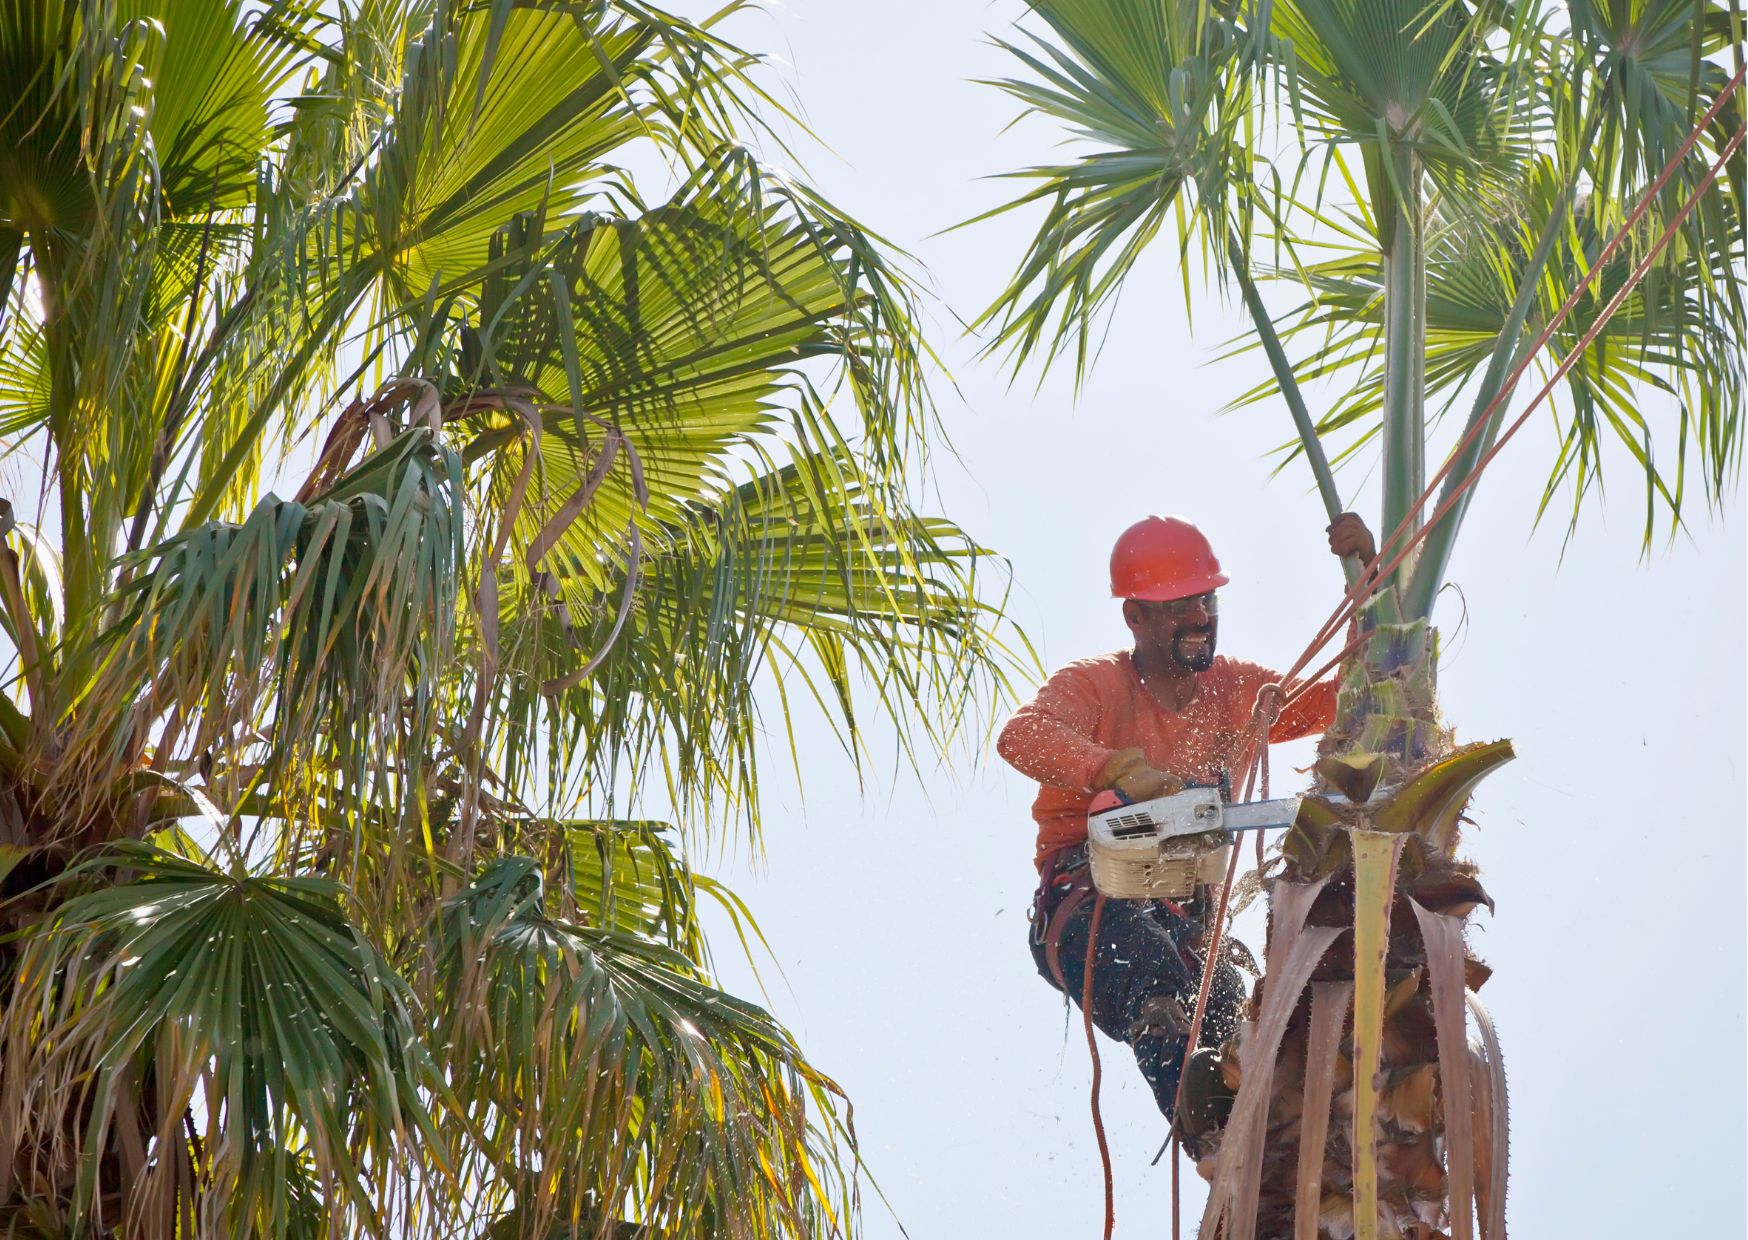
{"type": "Point", "coordinates": [1281, 140]}
{"type": "Point", "coordinates": [417, 501]}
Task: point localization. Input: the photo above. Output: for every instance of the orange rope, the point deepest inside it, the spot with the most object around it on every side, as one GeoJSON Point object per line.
{"type": "Point", "coordinates": [1371, 581]}
{"type": "Point", "coordinates": [1176, 1208]}
{"type": "Point", "coordinates": [1211, 948]}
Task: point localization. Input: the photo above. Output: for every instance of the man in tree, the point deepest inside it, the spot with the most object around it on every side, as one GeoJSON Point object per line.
{"type": "Point", "coordinates": [1147, 723]}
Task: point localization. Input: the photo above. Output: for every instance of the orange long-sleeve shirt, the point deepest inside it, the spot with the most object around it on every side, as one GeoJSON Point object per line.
{"type": "Point", "coordinates": [1085, 713]}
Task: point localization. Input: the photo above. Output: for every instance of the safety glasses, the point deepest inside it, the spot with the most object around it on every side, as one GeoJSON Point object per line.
{"type": "Point", "coordinates": [1178, 608]}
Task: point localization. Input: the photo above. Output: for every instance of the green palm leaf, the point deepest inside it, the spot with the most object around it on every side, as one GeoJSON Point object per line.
{"type": "Point", "coordinates": [1667, 337]}
{"type": "Point", "coordinates": [599, 1073]}
{"type": "Point", "coordinates": [592, 475]}
{"type": "Point", "coordinates": [316, 619]}
{"type": "Point", "coordinates": [785, 575]}
{"type": "Point", "coordinates": [629, 877]}
{"type": "Point", "coordinates": [1156, 94]}
{"type": "Point", "coordinates": [237, 1025]}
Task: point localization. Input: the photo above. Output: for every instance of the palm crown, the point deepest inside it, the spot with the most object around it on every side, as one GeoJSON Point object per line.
{"type": "Point", "coordinates": [325, 910]}
{"type": "Point", "coordinates": [1445, 176]}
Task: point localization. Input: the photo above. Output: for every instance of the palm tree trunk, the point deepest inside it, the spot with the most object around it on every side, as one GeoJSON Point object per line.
{"type": "Point", "coordinates": [1387, 732]}
{"type": "Point", "coordinates": [1355, 1142]}
{"type": "Point", "coordinates": [1404, 358]}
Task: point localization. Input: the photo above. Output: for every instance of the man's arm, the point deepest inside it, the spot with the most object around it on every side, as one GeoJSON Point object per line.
{"type": "Point", "coordinates": [1050, 740]}
{"type": "Point", "coordinates": [1315, 711]}
{"type": "Point", "coordinates": [1310, 715]}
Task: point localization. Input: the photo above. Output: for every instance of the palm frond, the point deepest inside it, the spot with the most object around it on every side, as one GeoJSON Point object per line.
{"type": "Point", "coordinates": [1158, 96]}
{"type": "Point", "coordinates": [630, 878]}
{"type": "Point", "coordinates": [234, 1035]}
{"type": "Point", "coordinates": [1672, 336]}
{"type": "Point", "coordinates": [798, 574]}
{"type": "Point", "coordinates": [598, 1075]}
{"type": "Point", "coordinates": [1435, 80]}
{"type": "Point", "coordinates": [321, 622]}
{"type": "Point", "coordinates": [593, 474]}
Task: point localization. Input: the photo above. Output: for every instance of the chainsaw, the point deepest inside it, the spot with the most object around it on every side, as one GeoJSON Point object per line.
{"type": "Point", "coordinates": [1168, 845]}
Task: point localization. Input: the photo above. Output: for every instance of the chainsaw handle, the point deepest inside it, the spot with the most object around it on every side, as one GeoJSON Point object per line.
{"type": "Point", "coordinates": [1108, 798]}
{"type": "Point", "coordinates": [1111, 798]}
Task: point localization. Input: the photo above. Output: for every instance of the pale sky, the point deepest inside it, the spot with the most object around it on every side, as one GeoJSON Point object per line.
{"type": "Point", "coordinates": [1614, 845]}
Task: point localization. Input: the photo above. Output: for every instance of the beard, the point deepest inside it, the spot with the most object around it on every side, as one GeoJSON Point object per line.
{"type": "Point", "coordinates": [1200, 659]}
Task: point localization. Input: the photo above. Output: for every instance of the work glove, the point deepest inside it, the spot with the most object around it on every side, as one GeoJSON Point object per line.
{"type": "Point", "coordinates": [1129, 773]}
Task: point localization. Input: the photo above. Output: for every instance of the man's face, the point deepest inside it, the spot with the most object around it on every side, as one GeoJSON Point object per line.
{"type": "Point", "coordinates": [1184, 630]}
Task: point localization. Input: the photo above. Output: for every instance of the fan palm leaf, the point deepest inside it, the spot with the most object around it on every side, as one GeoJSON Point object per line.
{"type": "Point", "coordinates": [234, 1025]}
{"type": "Point", "coordinates": [1157, 94]}
{"type": "Point", "coordinates": [1663, 338]}
{"type": "Point", "coordinates": [598, 1072]}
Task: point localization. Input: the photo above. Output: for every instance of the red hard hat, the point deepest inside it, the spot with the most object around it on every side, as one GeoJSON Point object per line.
{"type": "Point", "coordinates": [1161, 558]}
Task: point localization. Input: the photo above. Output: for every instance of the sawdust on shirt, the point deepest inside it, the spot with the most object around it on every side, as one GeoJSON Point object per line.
{"type": "Point", "coordinates": [1085, 713]}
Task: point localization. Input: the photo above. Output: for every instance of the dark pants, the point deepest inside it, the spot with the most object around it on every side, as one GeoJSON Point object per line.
{"type": "Point", "coordinates": [1146, 973]}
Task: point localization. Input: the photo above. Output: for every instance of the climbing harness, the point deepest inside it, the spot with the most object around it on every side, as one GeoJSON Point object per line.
{"type": "Point", "coordinates": [1065, 872]}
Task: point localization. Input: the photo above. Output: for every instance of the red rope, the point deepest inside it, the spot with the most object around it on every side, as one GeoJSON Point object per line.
{"type": "Point", "coordinates": [1211, 948]}
{"type": "Point", "coordinates": [1371, 581]}
{"type": "Point", "coordinates": [1092, 1043]}
{"type": "Point", "coordinates": [1270, 702]}
{"type": "Point", "coordinates": [1176, 1208]}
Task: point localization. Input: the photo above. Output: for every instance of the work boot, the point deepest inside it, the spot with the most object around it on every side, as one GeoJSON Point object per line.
{"type": "Point", "coordinates": [1207, 1100]}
